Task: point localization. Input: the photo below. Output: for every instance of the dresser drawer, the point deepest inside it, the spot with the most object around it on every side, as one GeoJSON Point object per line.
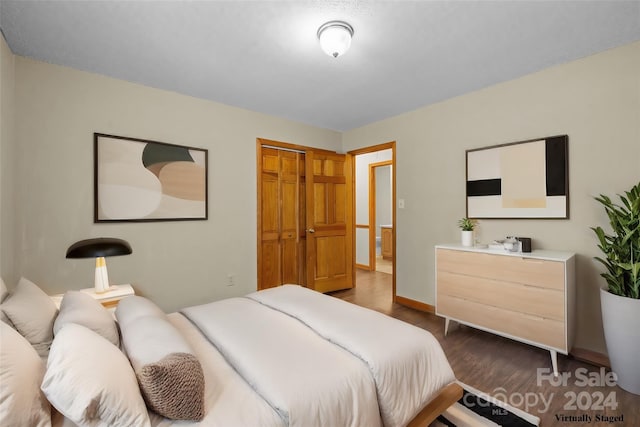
{"type": "Point", "coordinates": [536, 301]}
{"type": "Point", "coordinates": [507, 268]}
{"type": "Point", "coordinates": [547, 332]}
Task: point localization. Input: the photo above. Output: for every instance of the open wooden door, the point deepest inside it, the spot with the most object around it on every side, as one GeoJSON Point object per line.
{"type": "Point", "coordinates": [329, 188]}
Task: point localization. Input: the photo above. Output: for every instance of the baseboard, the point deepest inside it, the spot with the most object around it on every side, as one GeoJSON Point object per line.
{"type": "Point", "coordinates": [417, 305]}
{"type": "Point", "coordinates": [363, 267]}
{"type": "Point", "coordinates": [590, 356]}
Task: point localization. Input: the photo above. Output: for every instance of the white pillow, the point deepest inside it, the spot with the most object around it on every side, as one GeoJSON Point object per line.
{"type": "Point", "coordinates": [132, 308]}
{"type": "Point", "coordinates": [32, 313]}
{"type": "Point", "coordinates": [21, 371]}
{"type": "Point", "coordinates": [90, 381]}
{"type": "Point", "coordinates": [169, 374]}
{"type": "Point", "coordinates": [5, 319]}
{"type": "Point", "coordinates": [81, 308]}
{"type": "Point", "coordinates": [4, 292]}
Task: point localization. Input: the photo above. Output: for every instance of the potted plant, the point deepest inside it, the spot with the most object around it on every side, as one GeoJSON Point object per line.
{"type": "Point", "coordinates": [467, 226]}
{"type": "Point", "coordinates": [620, 302]}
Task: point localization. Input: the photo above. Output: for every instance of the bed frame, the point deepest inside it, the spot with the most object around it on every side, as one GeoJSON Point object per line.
{"type": "Point", "coordinates": [447, 397]}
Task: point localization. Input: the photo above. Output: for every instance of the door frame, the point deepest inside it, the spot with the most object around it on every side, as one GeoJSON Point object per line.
{"type": "Point", "coordinates": [371, 149]}
{"type": "Point", "coordinates": [260, 142]}
{"type": "Point", "coordinates": [372, 210]}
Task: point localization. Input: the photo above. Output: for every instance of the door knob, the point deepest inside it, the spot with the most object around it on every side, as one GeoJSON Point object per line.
{"type": "Point", "coordinates": [311, 230]}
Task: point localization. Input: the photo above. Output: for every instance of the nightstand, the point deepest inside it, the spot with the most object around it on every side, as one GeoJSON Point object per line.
{"type": "Point", "coordinates": [109, 299]}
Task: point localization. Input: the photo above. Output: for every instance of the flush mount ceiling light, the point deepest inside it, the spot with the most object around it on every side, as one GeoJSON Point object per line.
{"type": "Point", "coordinates": [335, 37]}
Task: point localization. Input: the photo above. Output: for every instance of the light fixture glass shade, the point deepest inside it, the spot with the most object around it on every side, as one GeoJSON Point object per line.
{"type": "Point", "coordinates": [98, 249]}
{"type": "Point", "coordinates": [335, 37]}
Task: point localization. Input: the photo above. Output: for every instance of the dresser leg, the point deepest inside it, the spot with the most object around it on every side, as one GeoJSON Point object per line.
{"type": "Point", "coordinates": [554, 362]}
{"type": "Point", "coordinates": [446, 326]}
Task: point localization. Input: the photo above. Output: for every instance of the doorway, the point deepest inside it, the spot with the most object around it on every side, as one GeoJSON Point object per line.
{"type": "Point", "coordinates": [305, 217]}
{"type": "Point", "coordinates": [375, 212]}
{"type": "Point", "coordinates": [381, 217]}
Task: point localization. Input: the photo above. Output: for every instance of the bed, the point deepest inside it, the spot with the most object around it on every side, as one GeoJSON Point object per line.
{"type": "Point", "coordinates": [286, 356]}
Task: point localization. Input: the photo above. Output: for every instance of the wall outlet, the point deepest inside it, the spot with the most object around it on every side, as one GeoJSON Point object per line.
{"type": "Point", "coordinates": [231, 279]}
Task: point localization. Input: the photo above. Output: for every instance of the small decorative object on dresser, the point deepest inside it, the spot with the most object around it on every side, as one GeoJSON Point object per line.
{"type": "Point", "coordinates": [525, 244]}
{"type": "Point", "coordinates": [526, 297]}
{"type": "Point", "coordinates": [467, 226]}
{"type": "Point", "coordinates": [620, 301]}
{"type": "Point", "coordinates": [511, 244]}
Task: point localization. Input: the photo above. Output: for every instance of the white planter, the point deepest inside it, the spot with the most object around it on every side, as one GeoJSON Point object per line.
{"type": "Point", "coordinates": [467, 238]}
{"type": "Point", "coordinates": [620, 318]}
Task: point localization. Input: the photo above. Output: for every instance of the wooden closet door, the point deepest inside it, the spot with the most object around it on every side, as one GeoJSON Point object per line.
{"type": "Point", "coordinates": [289, 218]}
{"type": "Point", "coordinates": [281, 241]}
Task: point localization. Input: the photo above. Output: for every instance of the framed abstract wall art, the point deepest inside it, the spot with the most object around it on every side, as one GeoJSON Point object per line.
{"type": "Point", "coordinates": [142, 180]}
{"type": "Point", "coordinates": [526, 179]}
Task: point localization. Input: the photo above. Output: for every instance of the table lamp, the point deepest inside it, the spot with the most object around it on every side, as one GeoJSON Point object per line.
{"type": "Point", "coordinates": [99, 249]}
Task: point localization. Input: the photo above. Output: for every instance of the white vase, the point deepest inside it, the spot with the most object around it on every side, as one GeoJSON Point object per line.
{"type": "Point", "coordinates": [620, 319]}
{"type": "Point", "coordinates": [467, 238]}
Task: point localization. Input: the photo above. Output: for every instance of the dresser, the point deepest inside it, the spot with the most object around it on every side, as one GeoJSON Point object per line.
{"type": "Point", "coordinates": [528, 297]}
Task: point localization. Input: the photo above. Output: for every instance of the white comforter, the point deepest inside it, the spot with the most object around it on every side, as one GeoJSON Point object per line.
{"type": "Point", "coordinates": [406, 362]}
{"type": "Point", "coordinates": [271, 369]}
{"type": "Point", "coordinates": [230, 401]}
{"type": "Point", "coordinates": [307, 380]}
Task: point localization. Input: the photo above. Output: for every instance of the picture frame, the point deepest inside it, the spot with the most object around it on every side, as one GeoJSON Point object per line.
{"type": "Point", "coordinates": [140, 180]}
{"type": "Point", "coordinates": [524, 179]}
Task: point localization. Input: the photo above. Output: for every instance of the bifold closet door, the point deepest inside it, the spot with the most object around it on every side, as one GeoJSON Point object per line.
{"type": "Point", "coordinates": [282, 216]}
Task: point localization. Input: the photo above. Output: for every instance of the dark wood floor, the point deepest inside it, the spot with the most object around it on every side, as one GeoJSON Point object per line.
{"type": "Point", "coordinates": [506, 368]}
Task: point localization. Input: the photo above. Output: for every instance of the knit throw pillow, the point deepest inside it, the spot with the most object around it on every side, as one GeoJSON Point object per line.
{"type": "Point", "coordinates": [169, 374]}
{"type": "Point", "coordinates": [174, 386]}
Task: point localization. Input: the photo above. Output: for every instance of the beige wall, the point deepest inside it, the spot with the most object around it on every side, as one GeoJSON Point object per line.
{"type": "Point", "coordinates": [46, 155]}
{"type": "Point", "coordinates": [57, 110]}
{"type": "Point", "coordinates": [7, 102]}
{"type": "Point", "coordinates": [595, 100]}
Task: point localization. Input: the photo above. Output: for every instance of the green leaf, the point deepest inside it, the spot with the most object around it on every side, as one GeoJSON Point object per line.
{"type": "Point", "coordinates": [621, 248]}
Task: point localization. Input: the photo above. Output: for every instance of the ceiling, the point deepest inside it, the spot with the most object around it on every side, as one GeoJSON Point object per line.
{"type": "Point", "coordinates": [264, 55]}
